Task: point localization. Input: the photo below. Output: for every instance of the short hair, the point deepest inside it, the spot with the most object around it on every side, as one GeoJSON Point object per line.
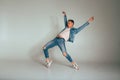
{"type": "Point", "coordinates": [71, 21]}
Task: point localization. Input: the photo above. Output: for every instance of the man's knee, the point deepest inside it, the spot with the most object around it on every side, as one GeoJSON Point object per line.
{"type": "Point", "coordinates": [44, 47]}
{"type": "Point", "coordinates": [64, 54]}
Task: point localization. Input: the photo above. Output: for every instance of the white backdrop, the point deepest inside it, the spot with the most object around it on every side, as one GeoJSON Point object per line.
{"type": "Point", "coordinates": [26, 25]}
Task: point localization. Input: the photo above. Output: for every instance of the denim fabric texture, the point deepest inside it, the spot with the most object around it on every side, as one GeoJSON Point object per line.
{"type": "Point", "coordinates": [60, 42]}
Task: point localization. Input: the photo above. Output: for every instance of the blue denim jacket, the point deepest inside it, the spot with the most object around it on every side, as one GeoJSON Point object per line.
{"type": "Point", "coordinates": [74, 31]}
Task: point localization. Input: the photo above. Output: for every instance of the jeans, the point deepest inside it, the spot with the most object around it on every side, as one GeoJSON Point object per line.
{"type": "Point", "coordinates": [60, 42]}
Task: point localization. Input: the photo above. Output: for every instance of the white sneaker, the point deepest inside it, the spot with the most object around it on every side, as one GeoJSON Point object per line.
{"type": "Point", "coordinates": [49, 63]}
{"type": "Point", "coordinates": [75, 66]}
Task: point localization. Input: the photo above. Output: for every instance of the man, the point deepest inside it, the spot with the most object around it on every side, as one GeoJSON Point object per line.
{"type": "Point", "coordinates": [67, 34]}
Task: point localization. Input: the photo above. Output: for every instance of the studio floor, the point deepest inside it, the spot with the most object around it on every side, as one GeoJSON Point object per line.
{"type": "Point", "coordinates": [32, 70]}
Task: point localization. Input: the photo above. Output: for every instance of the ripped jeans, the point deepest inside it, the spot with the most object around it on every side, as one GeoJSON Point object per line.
{"type": "Point", "coordinates": [60, 42]}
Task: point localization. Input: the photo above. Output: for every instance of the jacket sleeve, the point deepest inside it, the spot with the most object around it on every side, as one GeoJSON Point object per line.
{"type": "Point", "coordinates": [65, 20]}
{"type": "Point", "coordinates": [82, 27]}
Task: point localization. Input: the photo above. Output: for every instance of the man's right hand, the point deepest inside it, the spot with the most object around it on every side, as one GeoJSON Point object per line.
{"type": "Point", "coordinates": [64, 13]}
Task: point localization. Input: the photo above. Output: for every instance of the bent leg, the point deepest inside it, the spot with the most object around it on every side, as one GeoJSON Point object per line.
{"type": "Point", "coordinates": [61, 45]}
{"type": "Point", "coordinates": [49, 45]}
{"type": "Point", "coordinates": [67, 56]}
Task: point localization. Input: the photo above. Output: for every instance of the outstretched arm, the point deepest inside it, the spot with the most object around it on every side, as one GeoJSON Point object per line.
{"type": "Point", "coordinates": [85, 24]}
{"type": "Point", "coordinates": [65, 18]}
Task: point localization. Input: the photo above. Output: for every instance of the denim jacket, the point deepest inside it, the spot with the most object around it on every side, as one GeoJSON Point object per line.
{"type": "Point", "coordinates": [74, 31]}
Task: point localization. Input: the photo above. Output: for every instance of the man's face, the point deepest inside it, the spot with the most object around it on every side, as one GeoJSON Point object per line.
{"type": "Point", "coordinates": [70, 24]}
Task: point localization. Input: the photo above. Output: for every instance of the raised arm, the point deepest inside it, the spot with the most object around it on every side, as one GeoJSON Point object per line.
{"type": "Point", "coordinates": [85, 24]}
{"type": "Point", "coordinates": [65, 18]}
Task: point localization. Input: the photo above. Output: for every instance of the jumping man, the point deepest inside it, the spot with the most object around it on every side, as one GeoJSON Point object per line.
{"type": "Point", "coordinates": [67, 34]}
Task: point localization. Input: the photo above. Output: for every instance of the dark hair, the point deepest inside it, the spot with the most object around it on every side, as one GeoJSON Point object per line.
{"type": "Point", "coordinates": [71, 21]}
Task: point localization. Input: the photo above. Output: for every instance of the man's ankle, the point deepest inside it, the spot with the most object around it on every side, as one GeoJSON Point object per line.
{"type": "Point", "coordinates": [72, 63]}
{"type": "Point", "coordinates": [47, 60]}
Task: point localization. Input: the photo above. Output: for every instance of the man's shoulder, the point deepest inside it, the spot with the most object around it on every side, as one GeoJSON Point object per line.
{"type": "Point", "coordinates": [73, 28]}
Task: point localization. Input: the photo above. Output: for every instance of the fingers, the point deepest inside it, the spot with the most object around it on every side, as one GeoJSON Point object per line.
{"type": "Point", "coordinates": [92, 18]}
{"type": "Point", "coordinates": [64, 12]}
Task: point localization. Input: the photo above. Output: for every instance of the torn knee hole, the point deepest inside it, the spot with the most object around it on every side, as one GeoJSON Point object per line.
{"type": "Point", "coordinates": [44, 47]}
{"type": "Point", "coordinates": [64, 54]}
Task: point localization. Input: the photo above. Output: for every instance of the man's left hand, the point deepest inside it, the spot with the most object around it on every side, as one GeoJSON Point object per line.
{"type": "Point", "coordinates": [91, 19]}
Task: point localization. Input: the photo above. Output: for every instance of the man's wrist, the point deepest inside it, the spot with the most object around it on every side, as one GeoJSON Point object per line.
{"type": "Point", "coordinates": [88, 22]}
